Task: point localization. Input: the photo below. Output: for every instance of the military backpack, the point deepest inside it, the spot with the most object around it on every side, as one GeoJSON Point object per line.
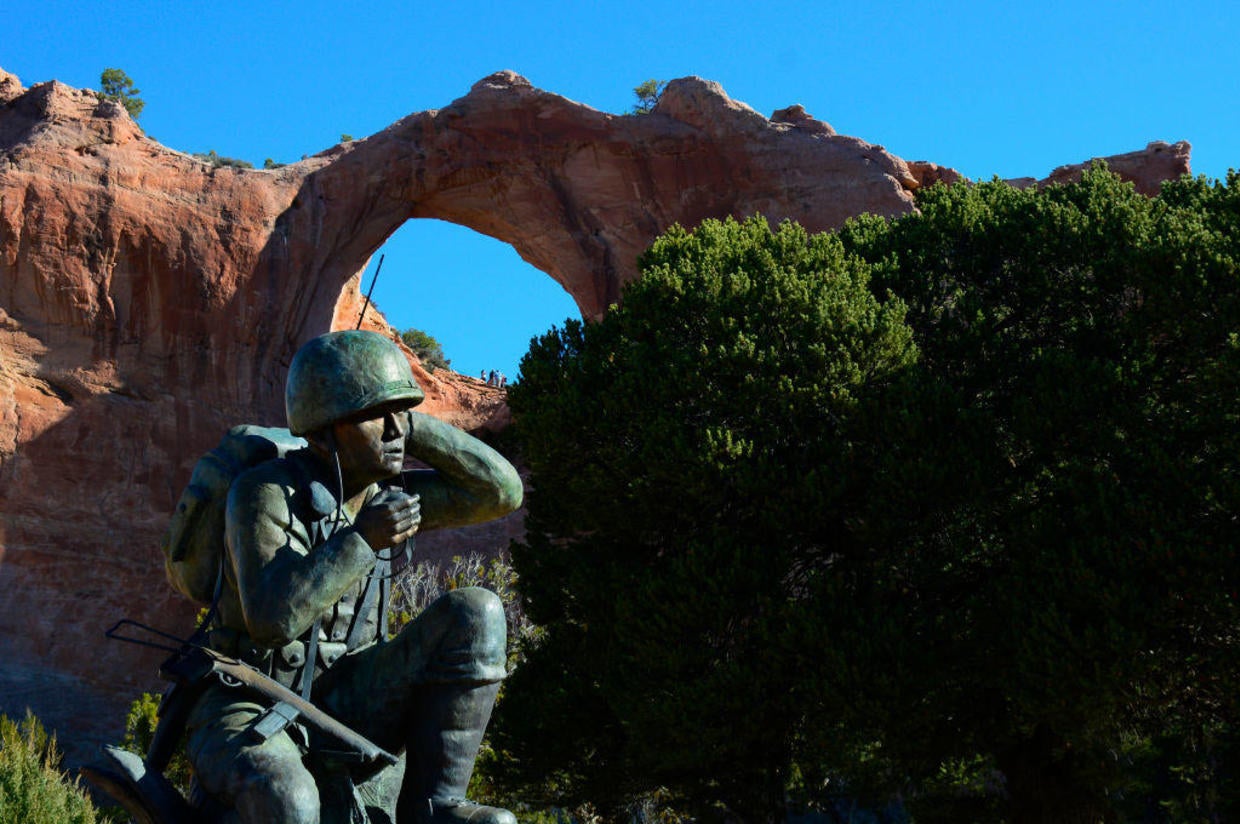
{"type": "Point", "coordinates": [194, 543]}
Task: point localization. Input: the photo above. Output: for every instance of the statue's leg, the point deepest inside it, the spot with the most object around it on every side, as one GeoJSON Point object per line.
{"type": "Point", "coordinates": [443, 744]}
{"type": "Point", "coordinates": [265, 782]}
{"type": "Point", "coordinates": [429, 691]}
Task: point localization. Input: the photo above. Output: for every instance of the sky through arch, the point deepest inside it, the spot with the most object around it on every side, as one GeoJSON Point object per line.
{"type": "Point", "coordinates": [471, 292]}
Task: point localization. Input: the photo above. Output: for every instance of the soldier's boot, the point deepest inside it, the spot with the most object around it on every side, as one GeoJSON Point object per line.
{"type": "Point", "coordinates": [441, 750]}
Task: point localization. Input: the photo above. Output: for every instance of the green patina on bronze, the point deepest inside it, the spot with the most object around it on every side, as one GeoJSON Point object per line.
{"type": "Point", "coordinates": [309, 539]}
{"type": "Point", "coordinates": [340, 373]}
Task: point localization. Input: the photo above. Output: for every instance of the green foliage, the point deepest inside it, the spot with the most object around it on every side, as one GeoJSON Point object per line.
{"type": "Point", "coordinates": [428, 350]}
{"type": "Point", "coordinates": [772, 551]}
{"type": "Point", "coordinates": [1051, 537]}
{"type": "Point", "coordinates": [114, 84]}
{"type": "Point", "coordinates": [419, 586]}
{"type": "Point", "coordinates": [32, 786]}
{"type": "Point", "coordinates": [346, 138]}
{"type": "Point", "coordinates": [216, 160]}
{"type": "Point", "coordinates": [271, 164]}
{"type": "Point", "coordinates": [687, 452]}
{"type": "Point", "coordinates": [140, 726]}
{"type": "Point", "coordinates": [647, 95]}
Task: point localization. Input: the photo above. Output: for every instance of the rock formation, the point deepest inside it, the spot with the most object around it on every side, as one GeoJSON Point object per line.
{"type": "Point", "coordinates": [148, 300]}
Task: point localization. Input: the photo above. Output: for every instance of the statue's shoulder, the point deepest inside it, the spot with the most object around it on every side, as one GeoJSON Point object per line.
{"type": "Point", "coordinates": [289, 481]}
{"type": "Point", "coordinates": [268, 452]}
{"type": "Point", "coordinates": [296, 485]}
{"type": "Point", "coordinates": [291, 470]}
{"type": "Point", "coordinates": [266, 460]}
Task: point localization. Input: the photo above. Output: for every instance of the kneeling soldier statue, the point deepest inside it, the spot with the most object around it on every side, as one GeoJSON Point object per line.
{"type": "Point", "coordinates": [301, 597]}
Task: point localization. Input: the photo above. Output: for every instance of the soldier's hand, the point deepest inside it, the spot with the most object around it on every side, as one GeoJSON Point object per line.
{"type": "Point", "coordinates": [389, 518]}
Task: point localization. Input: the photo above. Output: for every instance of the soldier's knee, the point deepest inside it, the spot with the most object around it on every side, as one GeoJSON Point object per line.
{"type": "Point", "coordinates": [478, 612]}
{"type": "Point", "coordinates": [282, 797]}
{"type": "Point", "coordinates": [479, 632]}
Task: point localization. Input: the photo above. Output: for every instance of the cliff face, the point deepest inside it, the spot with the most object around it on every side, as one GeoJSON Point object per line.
{"type": "Point", "coordinates": [148, 301]}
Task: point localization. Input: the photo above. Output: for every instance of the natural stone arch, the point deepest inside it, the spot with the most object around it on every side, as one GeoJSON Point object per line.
{"type": "Point", "coordinates": [148, 301]}
{"type": "Point", "coordinates": [471, 292]}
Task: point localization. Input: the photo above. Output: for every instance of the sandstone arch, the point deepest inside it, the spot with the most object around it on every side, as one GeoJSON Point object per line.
{"type": "Point", "coordinates": [148, 301]}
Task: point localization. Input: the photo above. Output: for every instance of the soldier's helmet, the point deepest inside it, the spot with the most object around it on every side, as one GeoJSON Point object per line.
{"type": "Point", "coordinates": [341, 373]}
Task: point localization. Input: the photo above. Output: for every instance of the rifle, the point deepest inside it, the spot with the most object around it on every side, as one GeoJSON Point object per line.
{"type": "Point", "coordinates": [190, 665]}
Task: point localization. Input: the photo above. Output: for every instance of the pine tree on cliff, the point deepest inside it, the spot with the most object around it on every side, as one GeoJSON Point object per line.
{"type": "Point", "coordinates": [114, 84]}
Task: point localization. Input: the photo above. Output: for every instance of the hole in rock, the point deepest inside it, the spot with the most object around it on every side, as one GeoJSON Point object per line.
{"type": "Point", "coordinates": [472, 293]}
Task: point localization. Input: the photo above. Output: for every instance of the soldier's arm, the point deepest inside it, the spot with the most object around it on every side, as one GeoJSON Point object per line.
{"type": "Point", "coordinates": [282, 585]}
{"type": "Point", "coordinates": [470, 482]}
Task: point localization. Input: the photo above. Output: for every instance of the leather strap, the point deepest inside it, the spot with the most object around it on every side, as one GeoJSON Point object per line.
{"type": "Point", "coordinates": [312, 658]}
{"type": "Point", "coordinates": [374, 582]}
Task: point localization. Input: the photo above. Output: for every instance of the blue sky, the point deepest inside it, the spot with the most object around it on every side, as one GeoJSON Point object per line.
{"type": "Point", "coordinates": [1003, 89]}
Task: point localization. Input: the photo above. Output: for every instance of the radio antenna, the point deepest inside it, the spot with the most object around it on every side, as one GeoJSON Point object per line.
{"type": "Point", "coordinates": [369, 292]}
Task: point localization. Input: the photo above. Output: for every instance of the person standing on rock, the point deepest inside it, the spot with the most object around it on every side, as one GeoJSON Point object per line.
{"type": "Point", "coordinates": [309, 540]}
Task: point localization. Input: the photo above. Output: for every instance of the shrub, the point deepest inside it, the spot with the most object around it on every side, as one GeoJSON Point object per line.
{"type": "Point", "coordinates": [428, 350]}
{"type": "Point", "coordinates": [218, 161]}
{"type": "Point", "coordinates": [690, 473]}
{"type": "Point", "coordinates": [32, 786]}
{"type": "Point", "coordinates": [140, 726]}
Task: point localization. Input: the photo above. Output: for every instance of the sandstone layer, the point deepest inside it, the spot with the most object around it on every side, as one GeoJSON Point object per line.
{"type": "Point", "coordinates": [149, 300]}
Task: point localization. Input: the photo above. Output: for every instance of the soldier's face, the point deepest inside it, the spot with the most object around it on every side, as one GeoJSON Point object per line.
{"type": "Point", "coordinates": [371, 444]}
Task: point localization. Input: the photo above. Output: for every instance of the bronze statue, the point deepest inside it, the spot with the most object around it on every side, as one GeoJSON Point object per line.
{"type": "Point", "coordinates": [301, 599]}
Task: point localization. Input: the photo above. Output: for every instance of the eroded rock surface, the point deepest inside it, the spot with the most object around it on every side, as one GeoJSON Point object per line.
{"type": "Point", "coordinates": [1146, 168]}
{"type": "Point", "coordinates": [148, 301]}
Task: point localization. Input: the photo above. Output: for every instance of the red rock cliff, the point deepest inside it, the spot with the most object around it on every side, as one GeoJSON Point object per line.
{"type": "Point", "coordinates": [148, 301]}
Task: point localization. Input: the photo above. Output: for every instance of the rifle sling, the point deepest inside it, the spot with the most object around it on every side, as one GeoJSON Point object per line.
{"type": "Point", "coordinates": [312, 659]}
{"type": "Point", "coordinates": [374, 583]}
